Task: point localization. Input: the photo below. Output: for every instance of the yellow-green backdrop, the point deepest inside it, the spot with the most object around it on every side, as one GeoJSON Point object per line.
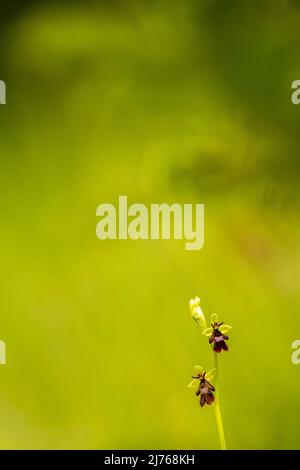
{"type": "Point", "coordinates": [164, 101]}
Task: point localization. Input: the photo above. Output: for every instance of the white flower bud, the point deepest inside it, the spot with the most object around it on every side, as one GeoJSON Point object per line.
{"type": "Point", "coordinates": [197, 313]}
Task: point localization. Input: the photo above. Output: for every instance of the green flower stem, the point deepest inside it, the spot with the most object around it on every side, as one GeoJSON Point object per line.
{"type": "Point", "coordinates": [217, 406]}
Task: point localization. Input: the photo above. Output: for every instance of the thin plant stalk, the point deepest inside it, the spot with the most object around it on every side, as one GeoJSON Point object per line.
{"type": "Point", "coordinates": [217, 406]}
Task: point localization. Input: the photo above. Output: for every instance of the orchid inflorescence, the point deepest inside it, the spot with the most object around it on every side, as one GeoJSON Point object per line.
{"type": "Point", "coordinates": [217, 339]}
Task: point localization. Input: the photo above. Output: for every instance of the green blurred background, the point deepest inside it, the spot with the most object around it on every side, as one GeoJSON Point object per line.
{"type": "Point", "coordinates": [164, 101]}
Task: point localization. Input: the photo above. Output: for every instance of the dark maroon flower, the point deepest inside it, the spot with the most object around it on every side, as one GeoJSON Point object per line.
{"type": "Point", "coordinates": [204, 388]}
{"type": "Point", "coordinates": [217, 336]}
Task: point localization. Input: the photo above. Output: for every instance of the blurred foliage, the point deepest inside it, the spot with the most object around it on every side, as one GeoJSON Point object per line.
{"type": "Point", "coordinates": [165, 101]}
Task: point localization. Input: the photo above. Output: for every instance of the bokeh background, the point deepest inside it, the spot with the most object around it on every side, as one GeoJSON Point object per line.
{"type": "Point", "coordinates": [164, 101]}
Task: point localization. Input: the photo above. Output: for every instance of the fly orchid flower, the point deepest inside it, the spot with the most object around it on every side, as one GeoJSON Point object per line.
{"type": "Point", "coordinates": [197, 313]}
{"type": "Point", "coordinates": [216, 334]}
{"type": "Point", "coordinates": [201, 381]}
